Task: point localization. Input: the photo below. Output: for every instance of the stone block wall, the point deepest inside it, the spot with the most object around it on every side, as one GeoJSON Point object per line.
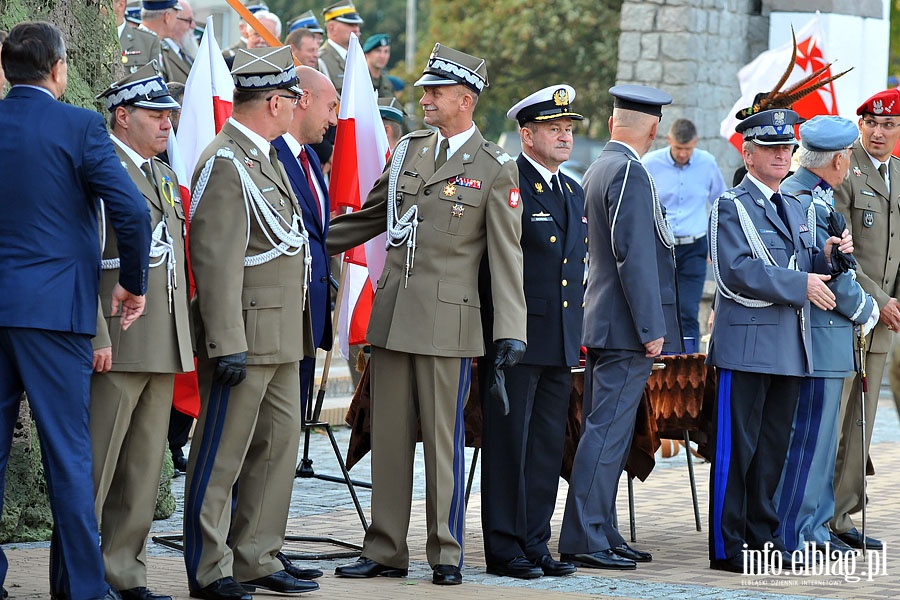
{"type": "Point", "coordinates": [693, 49]}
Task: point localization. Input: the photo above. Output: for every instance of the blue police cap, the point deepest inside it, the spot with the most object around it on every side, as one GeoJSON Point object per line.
{"type": "Point", "coordinates": [255, 7]}
{"type": "Point", "coordinates": [641, 98]}
{"type": "Point", "coordinates": [305, 21]}
{"type": "Point", "coordinates": [828, 133]}
{"type": "Point", "coordinates": [133, 14]}
{"type": "Point", "coordinates": [160, 4]}
{"type": "Point", "coordinates": [770, 127]}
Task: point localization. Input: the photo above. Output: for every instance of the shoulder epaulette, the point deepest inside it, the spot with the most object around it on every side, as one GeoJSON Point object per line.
{"type": "Point", "coordinates": [499, 154]}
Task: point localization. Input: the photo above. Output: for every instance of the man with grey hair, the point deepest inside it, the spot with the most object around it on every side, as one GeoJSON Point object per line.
{"type": "Point", "coordinates": [630, 317]}
{"type": "Point", "coordinates": [767, 274]}
{"type": "Point", "coordinates": [805, 498]}
{"type": "Point", "coordinates": [688, 181]}
{"type": "Point", "coordinates": [271, 22]}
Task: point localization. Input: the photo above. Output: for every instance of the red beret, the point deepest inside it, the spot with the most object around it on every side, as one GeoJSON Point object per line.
{"type": "Point", "coordinates": [882, 104]}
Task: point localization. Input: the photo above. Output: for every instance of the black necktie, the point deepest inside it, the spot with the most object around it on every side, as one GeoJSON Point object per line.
{"type": "Point", "coordinates": [778, 201]}
{"type": "Point", "coordinates": [441, 157]}
{"type": "Point", "coordinates": [557, 190]}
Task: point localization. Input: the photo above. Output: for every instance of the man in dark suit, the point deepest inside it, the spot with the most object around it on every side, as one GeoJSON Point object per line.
{"type": "Point", "coordinates": [314, 113]}
{"type": "Point", "coordinates": [630, 317]}
{"type": "Point", "coordinates": [522, 449]}
{"type": "Point", "coordinates": [767, 271]}
{"type": "Point", "coordinates": [57, 162]}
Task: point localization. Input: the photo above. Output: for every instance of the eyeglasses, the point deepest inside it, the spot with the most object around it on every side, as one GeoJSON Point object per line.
{"type": "Point", "coordinates": [190, 21]}
{"type": "Point", "coordinates": [293, 98]}
{"type": "Point", "coordinates": [886, 125]}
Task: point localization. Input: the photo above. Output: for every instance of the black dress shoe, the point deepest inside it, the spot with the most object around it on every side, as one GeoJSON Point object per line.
{"type": "Point", "coordinates": [446, 575]}
{"type": "Point", "coordinates": [519, 567]}
{"type": "Point", "coordinates": [838, 545]}
{"type": "Point", "coordinates": [298, 572]}
{"type": "Point", "coordinates": [280, 581]}
{"type": "Point", "coordinates": [222, 589]}
{"type": "Point", "coordinates": [554, 568]}
{"type": "Point", "coordinates": [735, 564]}
{"type": "Point", "coordinates": [602, 559]}
{"type": "Point", "coordinates": [626, 551]}
{"type": "Point", "coordinates": [853, 538]}
{"type": "Point", "coordinates": [142, 593]}
{"type": "Point", "coordinates": [180, 463]}
{"type": "Point", "coordinates": [364, 568]}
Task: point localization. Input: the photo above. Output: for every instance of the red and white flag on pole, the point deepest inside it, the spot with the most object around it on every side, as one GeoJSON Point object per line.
{"type": "Point", "coordinates": [763, 73]}
{"type": "Point", "coordinates": [360, 151]}
{"type": "Point", "coordinates": [205, 107]}
{"type": "Point", "coordinates": [208, 94]}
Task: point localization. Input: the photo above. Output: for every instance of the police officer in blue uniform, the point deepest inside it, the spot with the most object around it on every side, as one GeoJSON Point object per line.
{"type": "Point", "coordinates": [805, 496]}
{"type": "Point", "coordinates": [522, 450]}
{"type": "Point", "coordinates": [767, 270]}
{"type": "Point", "coordinates": [630, 316]}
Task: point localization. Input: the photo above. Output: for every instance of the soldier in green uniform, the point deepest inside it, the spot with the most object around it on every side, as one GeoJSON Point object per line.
{"type": "Point", "coordinates": [139, 47]}
{"type": "Point", "coordinates": [131, 391]}
{"type": "Point", "coordinates": [446, 198]}
{"type": "Point", "coordinates": [341, 19]}
{"type": "Point", "coordinates": [251, 263]}
{"type": "Point", "coordinates": [378, 52]}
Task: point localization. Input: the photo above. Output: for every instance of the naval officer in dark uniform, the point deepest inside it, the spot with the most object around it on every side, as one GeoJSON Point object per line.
{"type": "Point", "coordinates": [630, 317]}
{"type": "Point", "coordinates": [522, 451]}
{"type": "Point", "coordinates": [767, 271]}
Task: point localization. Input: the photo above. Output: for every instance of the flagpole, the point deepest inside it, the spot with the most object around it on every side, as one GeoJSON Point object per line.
{"type": "Point", "coordinates": [326, 368]}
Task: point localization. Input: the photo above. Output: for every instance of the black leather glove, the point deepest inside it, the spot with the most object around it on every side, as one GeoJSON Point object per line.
{"type": "Point", "coordinates": [231, 369]}
{"type": "Point", "coordinates": [509, 353]}
{"type": "Point", "coordinates": [498, 390]}
{"type": "Point", "coordinates": [840, 262]}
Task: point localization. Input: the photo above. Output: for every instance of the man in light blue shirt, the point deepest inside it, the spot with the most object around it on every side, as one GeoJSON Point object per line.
{"type": "Point", "coordinates": [688, 182]}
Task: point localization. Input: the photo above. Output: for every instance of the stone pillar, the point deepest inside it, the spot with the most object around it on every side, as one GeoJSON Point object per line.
{"type": "Point", "coordinates": [693, 49]}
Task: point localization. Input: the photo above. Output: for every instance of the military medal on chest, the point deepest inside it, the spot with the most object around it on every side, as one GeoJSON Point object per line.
{"type": "Point", "coordinates": [457, 210]}
{"type": "Point", "coordinates": [449, 190]}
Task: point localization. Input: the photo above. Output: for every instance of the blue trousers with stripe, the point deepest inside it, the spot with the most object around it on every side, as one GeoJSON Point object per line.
{"type": "Point", "coordinates": [805, 495]}
{"type": "Point", "coordinates": [751, 432]}
{"type": "Point", "coordinates": [54, 369]}
{"type": "Point", "coordinates": [431, 392]}
{"type": "Point", "coordinates": [614, 381]}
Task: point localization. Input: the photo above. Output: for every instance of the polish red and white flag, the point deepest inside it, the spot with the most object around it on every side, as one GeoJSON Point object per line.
{"type": "Point", "coordinates": [763, 74]}
{"type": "Point", "coordinates": [208, 94]}
{"type": "Point", "coordinates": [360, 153]}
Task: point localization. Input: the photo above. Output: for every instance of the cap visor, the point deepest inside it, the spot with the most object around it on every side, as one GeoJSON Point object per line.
{"type": "Point", "coordinates": [159, 103]}
{"type": "Point", "coordinates": [790, 142]}
{"type": "Point", "coordinates": [430, 79]}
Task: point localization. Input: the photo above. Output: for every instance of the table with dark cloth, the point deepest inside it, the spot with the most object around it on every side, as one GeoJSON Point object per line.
{"type": "Point", "coordinates": [678, 398]}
